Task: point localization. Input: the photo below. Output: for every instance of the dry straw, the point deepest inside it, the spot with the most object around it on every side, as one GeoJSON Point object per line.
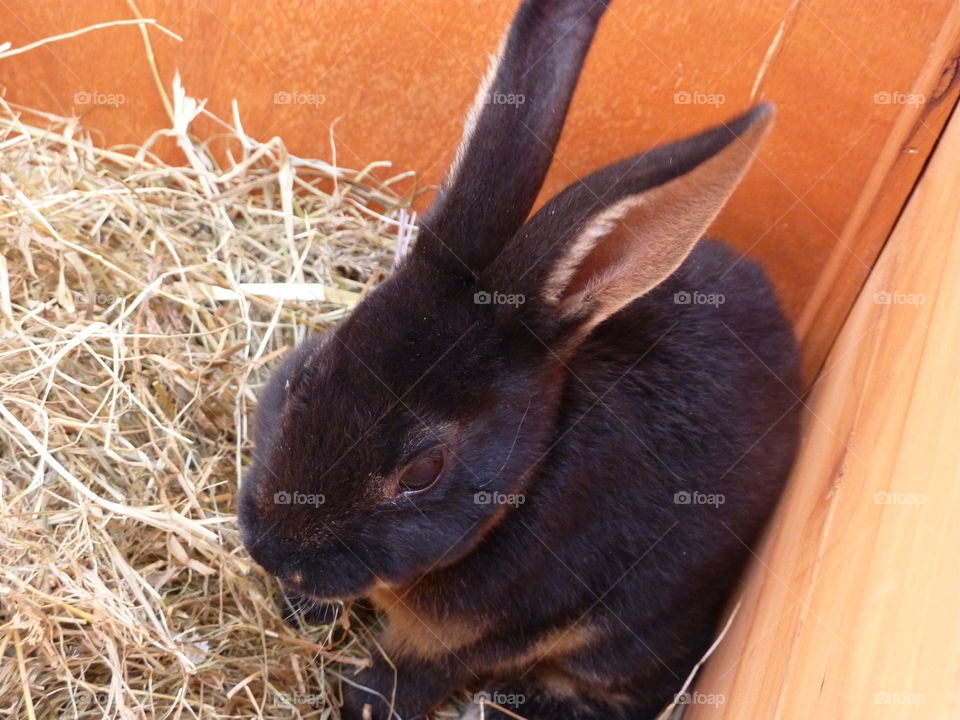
{"type": "Point", "coordinates": [140, 305]}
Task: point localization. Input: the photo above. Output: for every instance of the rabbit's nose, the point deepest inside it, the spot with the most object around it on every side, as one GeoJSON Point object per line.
{"type": "Point", "coordinates": [274, 555]}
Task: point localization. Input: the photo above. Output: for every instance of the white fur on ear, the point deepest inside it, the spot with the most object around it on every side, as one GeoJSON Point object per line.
{"type": "Point", "coordinates": [630, 247]}
{"type": "Point", "coordinates": [593, 232]}
{"type": "Point", "coordinates": [473, 114]}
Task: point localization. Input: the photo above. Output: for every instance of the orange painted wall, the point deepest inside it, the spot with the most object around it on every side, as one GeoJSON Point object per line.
{"type": "Point", "coordinates": [396, 77]}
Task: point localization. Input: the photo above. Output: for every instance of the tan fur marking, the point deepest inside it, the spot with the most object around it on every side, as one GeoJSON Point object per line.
{"type": "Point", "coordinates": [558, 683]}
{"type": "Point", "coordinates": [556, 645]}
{"type": "Point", "coordinates": [563, 683]}
{"type": "Point", "coordinates": [548, 661]}
{"type": "Point", "coordinates": [414, 633]}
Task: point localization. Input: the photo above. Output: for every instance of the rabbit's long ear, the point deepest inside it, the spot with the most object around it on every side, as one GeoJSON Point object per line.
{"type": "Point", "coordinates": [620, 232]}
{"type": "Point", "coordinates": [510, 134]}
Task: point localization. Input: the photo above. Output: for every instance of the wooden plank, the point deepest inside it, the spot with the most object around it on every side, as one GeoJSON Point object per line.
{"type": "Point", "coordinates": [394, 79]}
{"type": "Point", "coordinates": [851, 609]}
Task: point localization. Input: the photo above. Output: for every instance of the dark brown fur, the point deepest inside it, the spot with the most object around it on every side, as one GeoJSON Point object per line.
{"type": "Point", "coordinates": [594, 596]}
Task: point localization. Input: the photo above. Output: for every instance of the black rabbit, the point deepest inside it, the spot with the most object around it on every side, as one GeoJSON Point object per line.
{"type": "Point", "coordinates": [543, 446]}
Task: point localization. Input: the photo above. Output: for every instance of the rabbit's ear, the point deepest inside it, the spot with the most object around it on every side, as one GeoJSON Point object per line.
{"type": "Point", "coordinates": [510, 134]}
{"type": "Point", "coordinates": [620, 232]}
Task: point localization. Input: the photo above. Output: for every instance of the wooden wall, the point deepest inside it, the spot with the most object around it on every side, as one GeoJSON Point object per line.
{"type": "Point", "coordinates": [852, 609]}
{"type": "Point", "coordinates": [863, 88]}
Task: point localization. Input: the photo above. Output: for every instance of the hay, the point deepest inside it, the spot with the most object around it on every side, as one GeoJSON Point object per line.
{"type": "Point", "coordinates": [139, 310]}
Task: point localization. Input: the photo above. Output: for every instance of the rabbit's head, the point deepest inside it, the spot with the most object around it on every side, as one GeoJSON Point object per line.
{"type": "Point", "coordinates": [389, 447]}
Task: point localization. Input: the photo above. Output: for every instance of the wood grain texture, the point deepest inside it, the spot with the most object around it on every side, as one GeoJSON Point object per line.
{"type": "Point", "coordinates": [396, 76]}
{"type": "Point", "coordinates": [851, 610]}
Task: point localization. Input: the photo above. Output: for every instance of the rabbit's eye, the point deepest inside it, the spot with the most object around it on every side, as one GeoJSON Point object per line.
{"type": "Point", "coordinates": [423, 472]}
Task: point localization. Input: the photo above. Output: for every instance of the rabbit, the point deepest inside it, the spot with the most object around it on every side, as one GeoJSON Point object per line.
{"type": "Point", "coordinates": [543, 448]}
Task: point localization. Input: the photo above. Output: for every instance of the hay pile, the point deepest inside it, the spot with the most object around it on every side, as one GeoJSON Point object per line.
{"type": "Point", "coordinates": [133, 334]}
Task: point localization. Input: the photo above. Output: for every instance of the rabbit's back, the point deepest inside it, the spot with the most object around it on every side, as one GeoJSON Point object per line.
{"type": "Point", "coordinates": [678, 425]}
{"type": "Point", "coordinates": [677, 431]}
{"type": "Point", "coordinates": [691, 388]}
{"type": "Point", "coordinates": [702, 366]}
